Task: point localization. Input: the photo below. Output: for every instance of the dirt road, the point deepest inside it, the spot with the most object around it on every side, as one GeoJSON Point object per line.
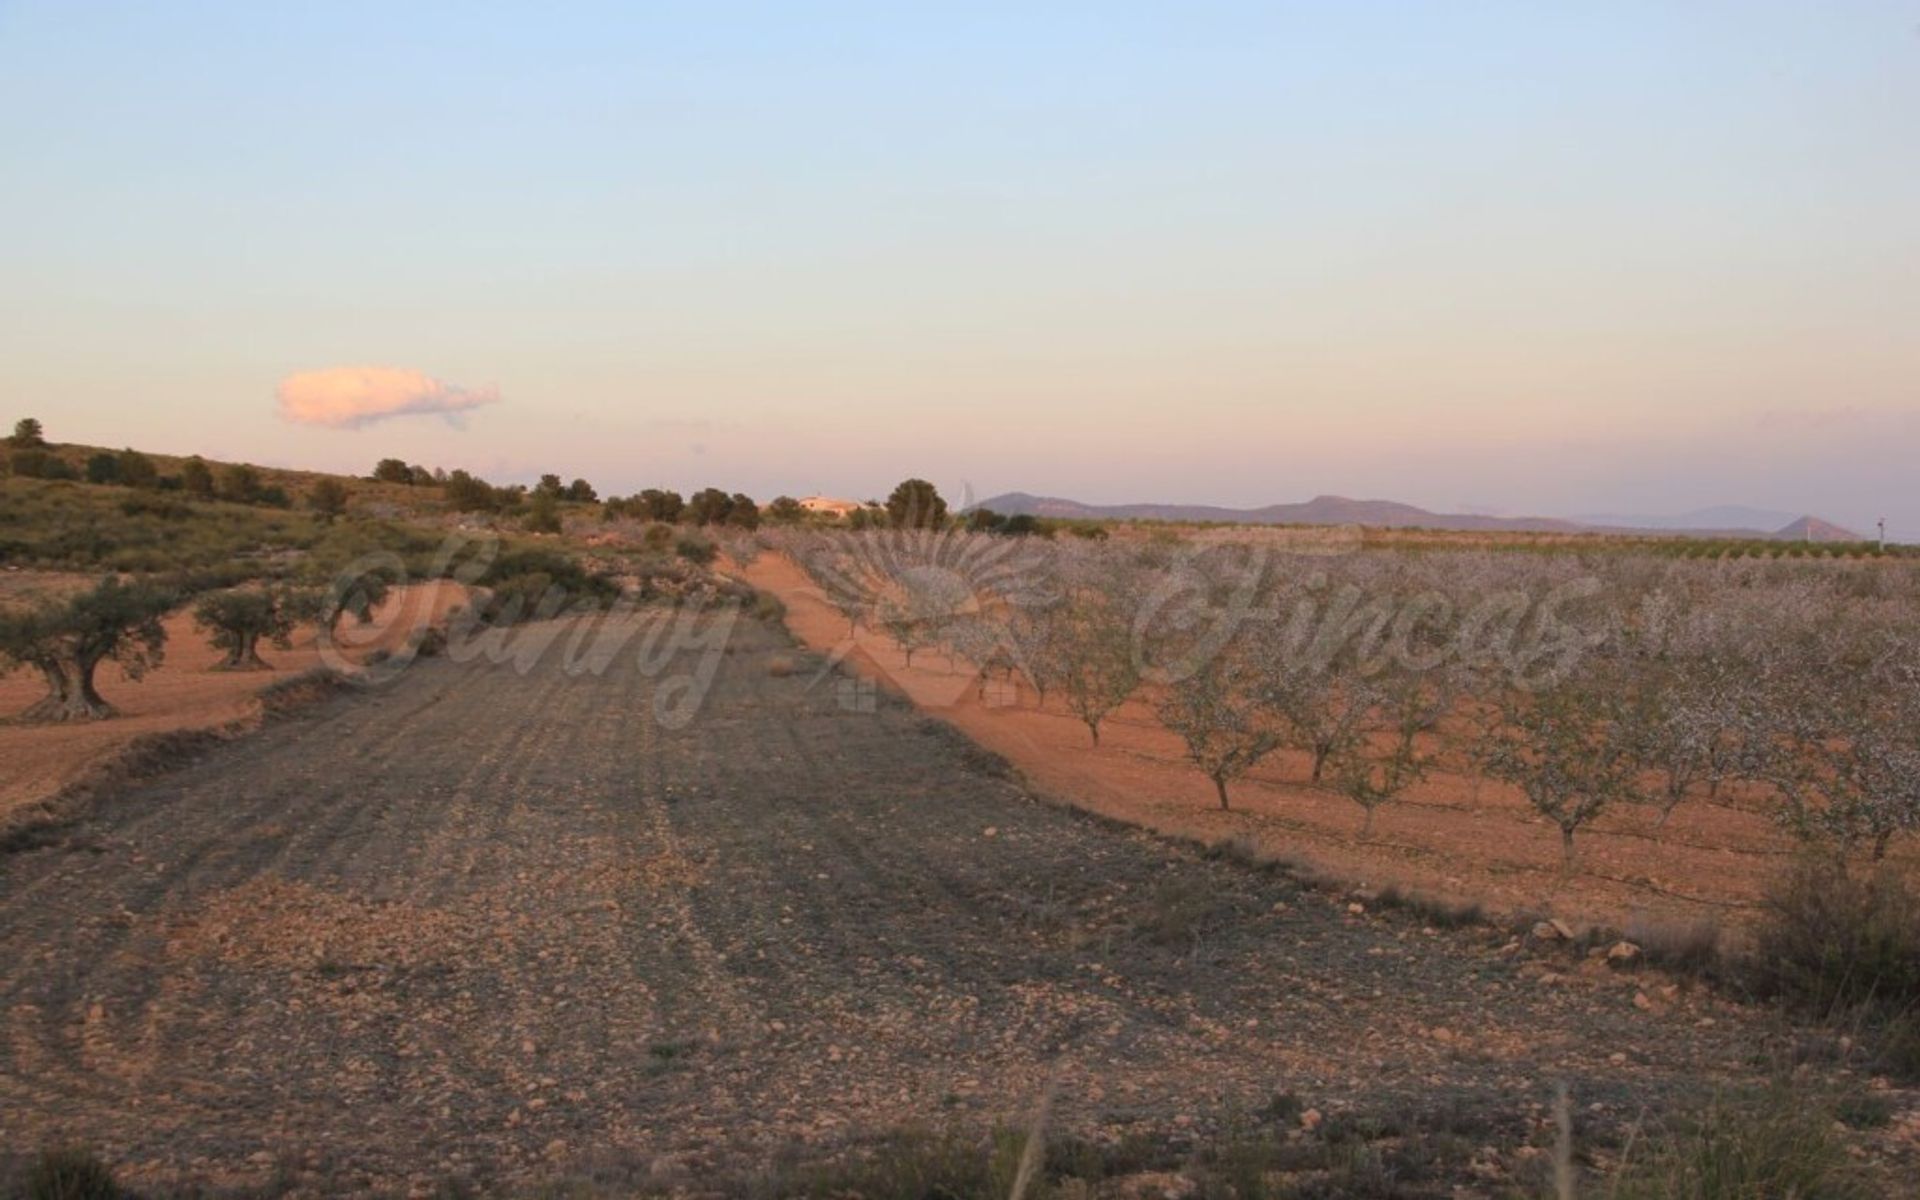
{"type": "Point", "coordinates": [488, 924]}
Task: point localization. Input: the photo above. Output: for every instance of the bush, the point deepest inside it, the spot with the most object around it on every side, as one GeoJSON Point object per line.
{"type": "Point", "coordinates": [696, 550]}
{"type": "Point", "coordinates": [69, 1175]}
{"type": "Point", "coordinates": [519, 583]}
{"type": "Point", "coordinates": [543, 515]}
{"type": "Point", "coordinates": [40, 464]}
{"type": "Point", "coordinates": [196, 478]}
{"type": "Point", "coordinates": [239, 483]}
{"type": "Point", "coordinates": [1832, 942]}
{"type": "Point", "coordinates": [136, 470]}
{"type": "Point", "coordinates": [1774, 1145]}
{"type": "Point", "coordinates": [393, 470]}
{"type": "Point", "coordinates": [103, 468]}
{"type": "Point", "coordinates": [328, 497]}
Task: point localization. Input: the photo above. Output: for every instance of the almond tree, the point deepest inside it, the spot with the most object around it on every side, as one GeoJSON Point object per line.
{"type": "Point", "coordinates": [1216, 710]}
{"type": "Point", "coordinates": [1839, 738]}
{"type": "Point", "coordinates": [1566, 746]}
{"type": "Point", "coordinates": [899, 621]}
{"type": "Point", "coordinates": [1325, 709]}
{"type": "Point", "coordinates": [1371, 781]}
{"type": "Point", "coordinates": [1408, 705]}
{"type": "Point", "coordinates": [1039, 647]}
{"type": "Point", "coordinates": [1685, 722]}
{"type": "Point", "coordinates": [1098, 668]}
{"type": "Point", "coordinates": [841, 584]}
{"type": "Point", "coordinates": [984, 640]}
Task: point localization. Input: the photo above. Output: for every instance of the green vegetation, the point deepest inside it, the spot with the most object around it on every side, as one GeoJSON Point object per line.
{"type": "Point", "coordinates": [538, 582]}
{"type": "Point", "coordinates": [1741, 1148]}
{"type": "Point", "coordinates": [916, 504]}
{"type": "Point", "coordinates": [69, 1174]}
{"type": "Point", "coordinates": [27, 435]}
{"type": "Point", "coordinates": [1845, 948]}
{"type": "Point", "coordinates": [66, 641]}
{"type": "Point", "coordinates": [328, 498]}
{"type": "Point", "coordinates": [239, 618]}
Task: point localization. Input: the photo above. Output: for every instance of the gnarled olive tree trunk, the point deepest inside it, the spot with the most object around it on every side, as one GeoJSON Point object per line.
{"type": "Point", "coordinates": [81, 702]}
{"type": "Point", "coordinates": [52, 706]}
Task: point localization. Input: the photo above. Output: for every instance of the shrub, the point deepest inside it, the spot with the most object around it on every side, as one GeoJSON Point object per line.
{"type": "Point", "coordinates": [69, 1175]}
{"type": "Point", "coordinates": [767, 607]}
{"type": "Point", "coordinates": [543, 515]}
{"type": "Point", "coordinates": [103, 468]}
{"type": "Point", "coordinates": [41, 464]}
{"type": "Point", "coordinates": [393, 470]}
{"type": "Point", "coordinates": [238, 483]}
{"type": "Point", "coordinates": [465, 493]}
{"type": "Point", "coordinates": [538, 582]}
{"type": "Point", "coordinates": [709, 506]}
{"type": "Point", "coordinates": [696, 550]}
{"type": "Point", "coordinates": [1773, 1145]}
{"type": "Point", "coordinates": [660, 504]}
{"type": "Point", "coordinates": [742, 511]}
{"type": "Point", "coordinates": [328, 497]}
{"type": "Point", "coordinates": [196, 478]}
{"type": "Point", "coordinates": [1833, 942]}
{"type": "Point", "coordinates": [136, 469]}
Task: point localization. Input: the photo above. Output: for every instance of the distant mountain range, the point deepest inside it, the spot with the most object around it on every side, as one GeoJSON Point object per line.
{"type": "Point", "coordinates": [1388, 514]}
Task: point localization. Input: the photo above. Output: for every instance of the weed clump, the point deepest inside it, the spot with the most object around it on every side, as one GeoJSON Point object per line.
{"type": "Point", "coordinates": [1775, 1144]}
{"type": "Point", "coordinates": [69, 1174]}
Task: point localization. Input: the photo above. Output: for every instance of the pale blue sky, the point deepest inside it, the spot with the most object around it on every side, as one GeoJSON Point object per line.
{"type": "Point", "coordinates": [1546, 258]}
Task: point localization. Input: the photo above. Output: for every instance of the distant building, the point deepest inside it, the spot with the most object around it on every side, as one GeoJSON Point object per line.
{"type": "Point", "coordinates": [829, 505]}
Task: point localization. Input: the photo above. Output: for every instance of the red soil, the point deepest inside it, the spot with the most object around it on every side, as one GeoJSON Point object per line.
{"type": "Point", "coordinates": [36, 761]}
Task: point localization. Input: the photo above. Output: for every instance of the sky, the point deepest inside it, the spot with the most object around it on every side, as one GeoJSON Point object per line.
{"type": "Point", "coordinates": [1519, 258]}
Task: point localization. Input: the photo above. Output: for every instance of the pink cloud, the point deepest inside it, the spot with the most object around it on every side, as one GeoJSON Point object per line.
{"type": "Point", "coordinates": [349, 397]}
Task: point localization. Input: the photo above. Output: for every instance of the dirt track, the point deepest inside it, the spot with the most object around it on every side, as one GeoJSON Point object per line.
{"type": "Point", "coordinates": [490, 925]}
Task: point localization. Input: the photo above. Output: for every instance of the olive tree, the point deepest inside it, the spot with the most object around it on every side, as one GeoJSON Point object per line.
{"type": "Point", "coordinates": [239, 618]}
{"type": "Point", "coordinates": [353, 594]}
{"type": "Point", "coordinates": [28, 638]}
{"type": "Point", "coordinates": [112, 622]}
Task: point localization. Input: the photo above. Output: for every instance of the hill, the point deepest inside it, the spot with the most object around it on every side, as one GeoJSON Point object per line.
{"type": "Point", "coordinates": [1391, 514]}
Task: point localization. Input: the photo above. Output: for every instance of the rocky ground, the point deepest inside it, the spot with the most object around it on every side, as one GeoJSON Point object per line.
{"type": "Point", "coordinates": [508, 922]}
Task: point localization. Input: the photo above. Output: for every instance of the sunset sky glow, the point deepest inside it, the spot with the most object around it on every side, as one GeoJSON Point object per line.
{"type": "Point", "coordinates": [1526, 258]}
